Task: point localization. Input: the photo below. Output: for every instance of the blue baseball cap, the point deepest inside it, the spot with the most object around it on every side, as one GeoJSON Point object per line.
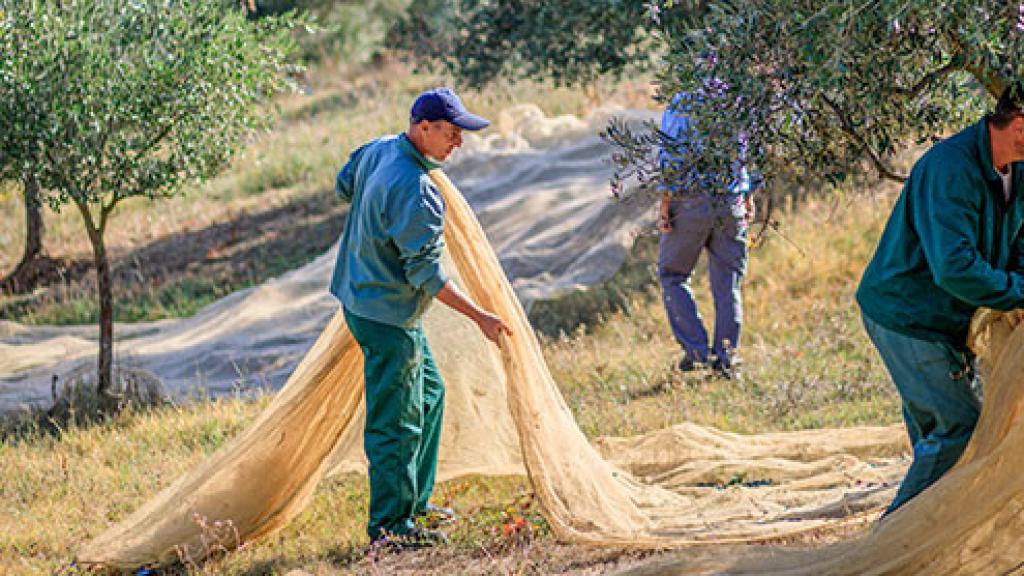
{"type": "Point", "coordinates": [443, 104]}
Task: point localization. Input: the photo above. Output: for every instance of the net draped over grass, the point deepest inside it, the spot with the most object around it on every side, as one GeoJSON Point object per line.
{"type": "Point", "coordinates": [616, 378]}
{"type": "Point", "coordinates": [263, 477]}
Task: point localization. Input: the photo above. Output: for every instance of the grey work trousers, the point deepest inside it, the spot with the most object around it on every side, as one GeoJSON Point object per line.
{"type": "Point", "coordinates": [717, 225]}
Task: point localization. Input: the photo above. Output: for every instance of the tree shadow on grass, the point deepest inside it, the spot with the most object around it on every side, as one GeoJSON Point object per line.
{"type": "Point", "coordinates": [341, 556]}
{"type": "Point", "coordinates": [176, 275]}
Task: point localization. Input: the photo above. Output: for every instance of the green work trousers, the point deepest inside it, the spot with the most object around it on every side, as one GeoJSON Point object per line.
{"type": "Point", "coordinates": [940, 408]}
{"type": "Point", "coordinates": [404, 407]}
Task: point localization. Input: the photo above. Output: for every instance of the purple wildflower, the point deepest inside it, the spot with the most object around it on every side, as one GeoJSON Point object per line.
{"type": "Point", "coordinates": [654, 11]}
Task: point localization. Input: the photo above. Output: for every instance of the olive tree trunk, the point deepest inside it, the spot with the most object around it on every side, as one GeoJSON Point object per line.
{"type": "Point", "coordinates": [104, 289]}
{"type": "Point", "coordinates": [22, 278]}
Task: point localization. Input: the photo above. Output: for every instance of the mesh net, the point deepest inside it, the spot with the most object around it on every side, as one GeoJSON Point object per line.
{"type": "Point", "coordinates": [969, 522]}
{"type": "Point", "coordinates": [685, 485]}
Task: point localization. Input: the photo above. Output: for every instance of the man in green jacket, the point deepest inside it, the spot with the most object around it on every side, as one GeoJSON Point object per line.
{"type": "Point", "coordinates": [388, 272]}
{"type": "Point", "coordinates": [952, 245]}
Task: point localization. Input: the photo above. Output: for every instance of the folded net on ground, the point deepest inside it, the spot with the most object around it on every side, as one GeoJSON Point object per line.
{"type": "Point", "coordinates": [505, 415]}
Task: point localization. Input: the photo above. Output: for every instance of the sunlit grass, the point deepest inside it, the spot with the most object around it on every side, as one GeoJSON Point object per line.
{"type": "Point", "coordinates": [808, 364]}
{"type": "Point", "coordinates": [807, 361]}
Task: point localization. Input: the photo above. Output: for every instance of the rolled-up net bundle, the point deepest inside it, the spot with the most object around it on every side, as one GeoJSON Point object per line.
{"type": "Point", "coordinates": [969, 522]}
{"type": "Point", "coordinates": [504, 412]}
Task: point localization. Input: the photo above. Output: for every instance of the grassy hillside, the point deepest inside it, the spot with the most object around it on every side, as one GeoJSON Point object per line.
{"type": "Point", "coordinates": [808, 364]}
{"type": "Point", "coordinates": [272, 211]}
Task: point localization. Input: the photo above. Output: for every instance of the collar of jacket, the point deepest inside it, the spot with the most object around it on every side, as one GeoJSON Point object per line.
{"type": "Point", "coordinates": [985, 152]}
{"type": "Point", "coordinates": [406, 145]}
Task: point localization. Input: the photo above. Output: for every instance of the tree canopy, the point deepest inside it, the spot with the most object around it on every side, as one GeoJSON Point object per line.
{"type": "Point", "coordinates": [104, 100]}
{"type": "Point", "coordinates": [819, 86]}
{"type": "Point", "coordinates": [568, 41]}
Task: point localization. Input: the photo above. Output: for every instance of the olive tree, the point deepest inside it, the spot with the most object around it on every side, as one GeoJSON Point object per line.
{"type": "Point", "coordinates": [20, 278]}
{"type": "Point", "coordinates": [817, 86]}
{"type": "Point", "coordinates": [568, 41]}
{"type": "Point", "coordinates": [106, 100]}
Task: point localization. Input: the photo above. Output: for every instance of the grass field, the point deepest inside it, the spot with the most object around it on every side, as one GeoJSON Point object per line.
{"type": "Point", "coordinates": [272, 211]}
{"type": "Point", "coordinates": [808, 363]}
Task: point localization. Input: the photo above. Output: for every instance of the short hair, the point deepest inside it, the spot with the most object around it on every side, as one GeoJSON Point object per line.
{"type": "Point", "coordinates": [1009, 106]}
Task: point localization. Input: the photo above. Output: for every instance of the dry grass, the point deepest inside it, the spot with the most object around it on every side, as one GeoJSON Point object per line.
{"type": "Point", "coordinates": [808, 364]}
{"type": "Point", "coordinates": [59, 492]}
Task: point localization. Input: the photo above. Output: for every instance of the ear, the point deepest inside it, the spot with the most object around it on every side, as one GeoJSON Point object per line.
{"type": "Point", "coordinates": [1017, 124]}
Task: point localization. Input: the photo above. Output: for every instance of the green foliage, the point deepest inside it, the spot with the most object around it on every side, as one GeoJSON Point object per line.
{"type": "Point", "coordinates": [352, 31]}
{"type": "Point", "coordinates": [814, 86]}
{"type": "Point", "coordinates": [107, 100]}
{"type": "Point", "coordinates": [567, 41]}
{"type": "Point", "coordinates": [349, 31]}
{"type": "Point", "coordinates": [821, 86]}
{"type": "Point", "coordinates": [103, 100]}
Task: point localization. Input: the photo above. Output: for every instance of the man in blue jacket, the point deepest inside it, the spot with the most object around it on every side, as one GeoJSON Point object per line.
{"type": "Point", "coordinates": [702, 215]}
{"type": "Point", "coordinates": [951, 246]}
{"type": "Point", "coordinates": [388, 272]}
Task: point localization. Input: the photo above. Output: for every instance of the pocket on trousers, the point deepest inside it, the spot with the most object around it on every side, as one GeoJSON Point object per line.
{"type": "Point", "coordinates": [957, 365]}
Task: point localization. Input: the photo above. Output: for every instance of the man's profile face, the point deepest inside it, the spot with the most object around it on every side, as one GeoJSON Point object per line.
{"type": "Point", "coordinates": [440, 138]}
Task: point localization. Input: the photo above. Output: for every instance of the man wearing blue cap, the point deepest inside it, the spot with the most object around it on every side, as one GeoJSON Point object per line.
{"type": "Point", "coordinates": [388, 271]}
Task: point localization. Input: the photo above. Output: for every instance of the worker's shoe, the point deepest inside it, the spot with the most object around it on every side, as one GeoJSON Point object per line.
{"type": "Point", "coordinates": [688, 364]}
{"type": "Point", "coordinates": [434, 516]}
{"type": "Point", "coordinates": [729, 370]}
{"type": "Point", "coordinates": [417, 539]}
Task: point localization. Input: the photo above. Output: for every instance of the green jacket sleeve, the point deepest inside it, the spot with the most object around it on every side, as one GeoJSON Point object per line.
{"type": "Point", "coordinates": [945, 210]}
{"type": "Point", "coordinates": [417, 227]}
{"type": "Point", "coordinates": [344, 185]}
{"type": "Point", "coordinates": [1018, 255]}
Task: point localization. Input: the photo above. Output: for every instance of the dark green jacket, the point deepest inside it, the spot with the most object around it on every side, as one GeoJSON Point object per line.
{"type": "Point", "coordinates": [952, 244]}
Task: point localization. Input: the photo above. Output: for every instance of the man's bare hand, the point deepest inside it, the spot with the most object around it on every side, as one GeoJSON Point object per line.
{"type": "Point", "coordinates": [751, 209]}
{"type": "Point", "coordinates": [665, 214]}
{"type": "Point", "coordinates": [489, 324]}
{"type": "Point", "coordinates": [492, 326]}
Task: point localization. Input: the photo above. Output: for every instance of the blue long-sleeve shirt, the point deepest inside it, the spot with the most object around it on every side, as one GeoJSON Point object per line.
{"type": "Point", "coordinates": [676, 125]}
{"type": "Point", "coordinates": [389, 256]}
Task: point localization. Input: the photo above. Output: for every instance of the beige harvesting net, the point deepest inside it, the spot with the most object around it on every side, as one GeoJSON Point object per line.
{"type": "Point", "coordinates": [970, 522]}
{"type": "Point", "coordinates": [681, 486]}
